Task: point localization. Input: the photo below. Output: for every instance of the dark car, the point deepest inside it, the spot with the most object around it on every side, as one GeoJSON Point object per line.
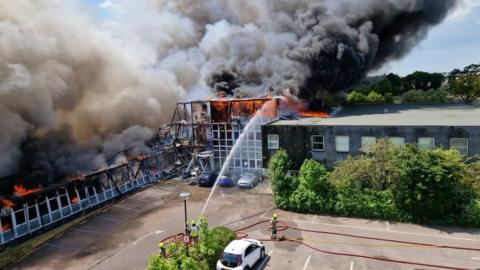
{"type": "Point", "coordinates": [207, 179]}
{"type": "Point", "coordinates": [227, 180]}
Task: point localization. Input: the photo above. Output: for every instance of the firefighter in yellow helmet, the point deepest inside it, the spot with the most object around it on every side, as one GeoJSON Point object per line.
{"type": "Point", "coordinates": [274, 223]}
{"type": "Point", "coordinates": [163, 250]}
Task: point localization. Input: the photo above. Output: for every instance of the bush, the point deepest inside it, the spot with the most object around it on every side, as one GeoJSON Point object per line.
{"type": "Point", "coordinates": [283, 185]}
{"type": "Point", "coordinates": [203, 255]}
{"type": "Point", "coordinates": [432, 96]}
{"type": "Point", "coordinates": [356, 98]}
{"type": "Point", "coordinates": [389, 182]}
{"type": "Point", "coordinates": [429, 184]}
{"type": "Point", "coordinates": [375, 98]}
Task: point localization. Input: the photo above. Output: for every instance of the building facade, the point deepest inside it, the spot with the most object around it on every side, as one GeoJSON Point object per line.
{"type": "Point", "coordinates": [352, 132]}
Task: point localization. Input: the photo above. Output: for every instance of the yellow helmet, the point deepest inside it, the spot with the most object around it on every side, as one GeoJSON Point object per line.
{"type": "Point", "coordinates": [275, 216]}
{"type": "Point", "coordinates": [193, 222]}
{"type": "Point", "coordinates": [160, 245]}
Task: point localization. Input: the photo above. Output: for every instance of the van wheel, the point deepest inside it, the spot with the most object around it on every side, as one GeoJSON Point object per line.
{"type": "Point", "coordinates": [262, 254]}
{"type": "Point", "coordinates": [251, 186]}
{"type": "Point", "coordinates": [246, 268]}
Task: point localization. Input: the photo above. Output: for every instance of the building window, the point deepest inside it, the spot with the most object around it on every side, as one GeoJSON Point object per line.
{"type": "Point", "coordinates": [398, 141]}
{"type": "Point", "coordinates": [366, 143]}
{"type": "Point", "coordinates": [426, 142]}
{"type": "Point", "coordinates": [342, 144]}
{"type": "Point", "coordinates": [318, 143]}
{"type": "Point", "coordinates": [273, 141]}
{"type": "Point", "coordinates": [461, 144]}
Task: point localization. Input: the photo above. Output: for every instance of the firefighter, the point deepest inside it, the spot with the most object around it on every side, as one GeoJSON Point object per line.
{"type": "Point", "coordinates": [194, 231]}
{"type": "Point", "coordinates": [163, 250]}
{"type": "Point", "coordinates": [274, 223]}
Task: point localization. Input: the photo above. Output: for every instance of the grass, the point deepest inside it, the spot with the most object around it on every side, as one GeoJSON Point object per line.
{"type": "Point", "coordinates": [16, 252]}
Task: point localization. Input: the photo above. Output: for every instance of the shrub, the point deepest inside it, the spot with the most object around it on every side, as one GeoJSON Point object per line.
{"type": "Point", "coordinates": [414, 96]}
{"type": "Point", "coordinates": [356, 98]}
{"type": "Point", "coordinates": [432, 96]}
{"type": "Point", "coordinates": [429, 184]}
{"type": "Point", "coordinates": [283, 185]}
{"type": "Point", "coordinates": [203, 255]}
{"type": "Point", "coordinates": [375, 98]}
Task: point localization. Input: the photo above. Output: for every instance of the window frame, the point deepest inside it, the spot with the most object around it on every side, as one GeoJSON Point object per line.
{"type": "Point", "coordinates": [389, 139]}
{"type": "Point", "coordinates": [270, 141]}
{"type": "Point", "coordinates": [312, 143]}
{"type": "Point", "coordinates": [426, 147]}
{"type": "Point", "coordinates": [363, 146]}
{"type": "Point", "coordinates": [459, 149]}
{"type": "Point", "coordinates": [336, 144]}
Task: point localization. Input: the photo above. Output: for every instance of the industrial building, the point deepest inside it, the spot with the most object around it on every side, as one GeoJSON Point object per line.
{"type": "Point", "coordinates": [351, 131]}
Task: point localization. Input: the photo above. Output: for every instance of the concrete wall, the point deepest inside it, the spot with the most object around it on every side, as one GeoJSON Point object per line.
{"type": "Point", "coordinates": [296, 139]}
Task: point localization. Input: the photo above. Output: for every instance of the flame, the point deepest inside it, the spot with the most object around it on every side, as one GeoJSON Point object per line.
{"type": "Point", "coordinates": [288, 103]}
{"type": "Point", "coordinates": [74, 200]}
{"type": "Point", "coordinates": [22, 191]}
{"type": "Point", "coordinates": [75, 178]}
{"type": "Point", "coordinates": [7, 203]}
{"type": "Point", "coordinates": [5, 227]}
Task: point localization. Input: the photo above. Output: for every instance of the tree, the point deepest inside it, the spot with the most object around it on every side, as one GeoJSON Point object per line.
{"type": "Point", "coordinates": [283, 184]}
{"type": "Point", "coordinates": [467, 87]}
{"type": "Point", "coordinates": [383, 87]}
{"type": "Point", "coordinates": [375, 98]}
{"type": "Point", "coordinates": [356, 98]}
{"type": "Point", "coordinates": [429, 185]}
{"type": "Point", "coordinates": [203, 255]}
{"type": "Point", "coordinates": [396, 82]}
{"type": "Point", "coordinates": [420, 80]}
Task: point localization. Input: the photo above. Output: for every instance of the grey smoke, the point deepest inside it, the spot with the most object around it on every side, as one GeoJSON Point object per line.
{"type": "Point", "coordinates": [62, 69]}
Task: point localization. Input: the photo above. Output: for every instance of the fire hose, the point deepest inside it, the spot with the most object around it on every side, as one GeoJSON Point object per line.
{"type": "Point", "coordinates": [284, 227]}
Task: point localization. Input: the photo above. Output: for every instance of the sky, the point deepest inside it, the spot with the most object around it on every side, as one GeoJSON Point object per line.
{"type": "Point", "coordinates": [453, 44]}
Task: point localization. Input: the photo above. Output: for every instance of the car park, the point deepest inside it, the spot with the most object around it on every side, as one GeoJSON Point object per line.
{"type": "Point", "coordinates": [241, 255]}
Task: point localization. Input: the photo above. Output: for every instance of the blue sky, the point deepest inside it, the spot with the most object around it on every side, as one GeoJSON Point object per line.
{"type": "Point", "coordinates": [453, 44]}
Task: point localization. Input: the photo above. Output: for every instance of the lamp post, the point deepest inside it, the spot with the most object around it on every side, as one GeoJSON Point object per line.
{"type": "Point", "coordinates": [185, 196]}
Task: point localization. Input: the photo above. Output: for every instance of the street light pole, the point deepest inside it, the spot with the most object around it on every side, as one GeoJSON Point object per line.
{"type": "Point", "coordinates": [185, 196]}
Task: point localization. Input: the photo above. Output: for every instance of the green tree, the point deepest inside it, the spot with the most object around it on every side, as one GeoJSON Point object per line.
{"type": "Point", "coordinates": [467, 87]}
{"type": "Point", "coordinates": [356, 98]}
{"type": "Point", "coordinates": [396, 82]}
{"type": "Point", "coordinates": [383, 87]}
{"type": "Point", "coordinates": [375, 98]}
{"type": "Point", "coordinates": [420, 80]}
{"type": "Point", "coordinates": [429, 185]}
{"type": "Point", "coordinates": [283, 184]}
{"type": "Point", "coordinates": [314, 191]}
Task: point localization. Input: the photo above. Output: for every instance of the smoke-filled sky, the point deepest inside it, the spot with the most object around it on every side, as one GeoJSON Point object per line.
{"type": "Point", "coordinates": [78, 84]}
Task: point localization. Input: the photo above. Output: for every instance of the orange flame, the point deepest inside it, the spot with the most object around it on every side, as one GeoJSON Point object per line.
{"type": "Point", "coordinates": [300, 107]}
{"type": "Point", "coordinates": [75, 178]}
{"type": "Point", "coordinates": [7, 203]}
{"type": "Point", "coordinates": [74, 200]}
{"type": "Point", "coordinates": [22, 191]}
{"type": "Point", "coordinates": [5, 227]}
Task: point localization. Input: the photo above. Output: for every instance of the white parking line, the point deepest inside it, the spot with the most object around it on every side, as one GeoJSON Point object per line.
{"type": "Point", "coordinates": [126, 208]}
{"type": "Point", "coordinates": [351, 265]}
{"type": "Point", "coordinates": [388, 226]}
{"type": "Point", "coordinates": [475, 258]}
{"type": "Point", "coordinates": [108, 218]}
{"type": "Point", "coordinates": [382, 230]}
{"type": "Point", "coordinates": [306, 263]}
{"type": "Point", "coordinates": [85, 231]}
{"type": "Point", "coordinates": [270, 253]}
{"type": "Point", "coordinates": [314, 218]}
{"type": "Point", "coordinates": [145, 236]}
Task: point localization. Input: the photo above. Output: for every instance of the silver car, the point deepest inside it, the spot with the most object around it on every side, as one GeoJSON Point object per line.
{"type": "Point", "coordinates": [248, 180]}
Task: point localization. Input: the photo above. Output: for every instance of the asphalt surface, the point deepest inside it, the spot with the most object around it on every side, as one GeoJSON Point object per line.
{"type": "Point", "coordinates": [126, 235]}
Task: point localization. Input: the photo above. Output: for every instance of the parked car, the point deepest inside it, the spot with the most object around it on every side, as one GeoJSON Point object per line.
{"type": "Point", "coordinates": [241, 254]}
{"type": "Point", "coordinates": [227, 180]}
{"type": "Point", "coordinates": [207, 179]}
{"type": "Point", "coordinates": [248, 180]}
